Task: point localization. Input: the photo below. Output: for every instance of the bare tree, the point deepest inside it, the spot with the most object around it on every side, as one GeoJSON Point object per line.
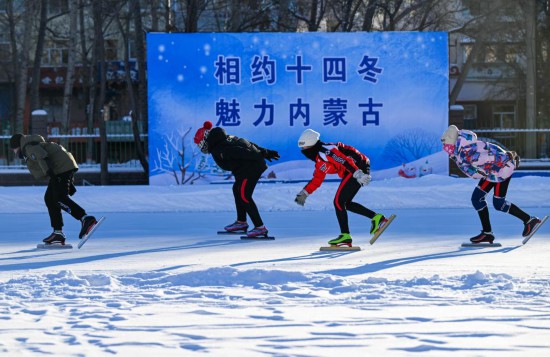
{"type": "Point", "coordinates": [69, 78]}
{"type": "Point", "coordinates": [344, 12]}
{"type": "Point", "coordinates": [35, 80]}
{"type": "Point", "coordinates": [410, 145]}
{"type": "Point", "coordinates": [87, 76]}
{"type": "Point", "coordinates": [20, 56]}
{"type": "Point", "coordinates": [284, 21]}
{"type": "Point", "coordinates": [98, 15]}
{"type": "Point", "coordinates": [248, 15]}
{"type": "Point", "coordinates": [141, 108]}
{"type": "Point", "coordinates": [311, 13]}
{"type": "Point", "coordinates": [172, 154]}
{"type": "Point", "coordinates": [192, 12]}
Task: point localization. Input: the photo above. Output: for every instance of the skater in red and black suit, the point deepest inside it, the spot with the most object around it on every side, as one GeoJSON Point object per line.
{"type": "Point", "coordinates": [354, 169]}
{"type": "Point", "coordinates": [246, 161]}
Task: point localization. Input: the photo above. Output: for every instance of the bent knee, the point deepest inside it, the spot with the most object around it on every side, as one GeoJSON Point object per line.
{"type": "Point", "coordinates": [478, 199]}
{"type": "Point", "coordinates": [501, 204]}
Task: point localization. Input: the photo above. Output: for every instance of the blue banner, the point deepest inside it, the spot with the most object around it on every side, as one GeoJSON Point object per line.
{"type": "Point", "coordinates": [385, 93]}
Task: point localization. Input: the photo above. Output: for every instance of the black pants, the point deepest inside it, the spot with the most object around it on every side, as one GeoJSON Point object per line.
{"type": "Point", "coordinates": [343, 202]}
{"type": "Point", "coordinates": [243, 189]}
{"type": "Point", "coordinates": [57, 199]}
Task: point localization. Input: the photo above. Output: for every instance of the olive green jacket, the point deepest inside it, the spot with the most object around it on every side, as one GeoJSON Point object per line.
{"type": "Point", "coordinates": [45, 159]}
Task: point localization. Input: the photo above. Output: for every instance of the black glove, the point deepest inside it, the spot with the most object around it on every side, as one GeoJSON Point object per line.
{"type": "Point", "coordinates": [72, 188]}
{"type": "Point", "coordinates": [271, 155]}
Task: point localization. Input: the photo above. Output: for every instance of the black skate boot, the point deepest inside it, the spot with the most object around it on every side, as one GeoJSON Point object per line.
{"type": "Point", "coordinates": [530, 225]}
{"type": "Point", "coordinates": [88, 222]}
{"type": "Point", "coordinates": [55, 237]}
{"type": "Point", "coordinates": [483, 237]}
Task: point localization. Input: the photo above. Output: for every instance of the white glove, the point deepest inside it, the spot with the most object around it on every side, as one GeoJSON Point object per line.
{"type": "Point", "coordinates": [361, 177]}
{"type": "Point", "coordinates": [301, 197]}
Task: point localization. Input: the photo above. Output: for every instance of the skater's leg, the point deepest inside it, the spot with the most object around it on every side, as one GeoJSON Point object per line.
{"type": "Point", "coordinates": [247, 189]}
{"type": "Point", "coordinates": [480, 204]}
{"type": "Point", "coordinates": [360, 209]}
{"type": "Point", "coordinates": [500, 203]}
{"type": "Point", "coordinates": [239, 204]}
{"type": "Point", "coordinates": [346, 191]}
{"type": "Point", "coordinates": [62, 195]}
{"type": "Point", "coordinates": [484, 218]}
{"type": "Point", "coordinates": [54, 211]}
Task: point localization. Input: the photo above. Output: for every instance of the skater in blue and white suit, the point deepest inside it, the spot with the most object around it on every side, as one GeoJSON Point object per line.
{"type": "Point", "coordinates": [493, 166]}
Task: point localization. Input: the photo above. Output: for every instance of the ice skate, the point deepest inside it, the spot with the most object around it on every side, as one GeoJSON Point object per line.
{"type": "Point", "coordinates": [483, 237]}
{"type": "Point", "coordinates": [90, 231]}
{"type": "Point", "coordinates": [53, 238]}
{"type": "Point", "coordinates": [343, 240]}
{"type": "Point", "coordinates": [237, 227]}
{"type": "Point", "coordinates": [530, 226]}
{"type": "Point", "coordinates": [257, 232]}
{"type": "Point", "coordinates": [377, 222]}
{"type": "Point", "coordinates": [87, 224]}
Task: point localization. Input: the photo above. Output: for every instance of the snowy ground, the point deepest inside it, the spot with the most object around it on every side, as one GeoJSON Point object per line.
{"type": "Point", "coordinates": [157, 280]}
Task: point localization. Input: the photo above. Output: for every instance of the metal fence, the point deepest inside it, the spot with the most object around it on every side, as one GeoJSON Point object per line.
{"type": "Point", "coordinates": [518, 140]}
{"type": "Point", "coordinates": [86, 149]}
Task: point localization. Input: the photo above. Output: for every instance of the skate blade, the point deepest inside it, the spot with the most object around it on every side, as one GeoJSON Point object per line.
{"type": "Point", "coordinates": [535, 230]}
{"type": "Point", "coordinates": [482, 245]}
{"type": "Point", "coordinates": [90, 232]}
{"type": "Point", "coordinates": [382, 229]}
{"type": "Point", "coordinates": [258, 238]}
{"type": "Point", "coordinates": [54, 246]}
{"type": "Point", "coordinates": [335, 248]}
{"type": "Point", "coordinates": [231, 233]}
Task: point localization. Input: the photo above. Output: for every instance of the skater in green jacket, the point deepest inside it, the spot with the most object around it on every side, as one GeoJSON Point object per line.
{"type": "Point", "coordinates": [51, 160]}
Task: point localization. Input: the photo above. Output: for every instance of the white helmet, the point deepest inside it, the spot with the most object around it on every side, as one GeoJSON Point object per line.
{"type": "Point", "coordinates": [450, 135]}
{"type": "Point", "coordinates": [308, 138]}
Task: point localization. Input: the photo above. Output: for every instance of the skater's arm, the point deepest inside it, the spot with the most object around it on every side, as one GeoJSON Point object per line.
{"type": "Point", "coordinates": [267, 153]}
{"type": "Point", "coordinates": [242, 150]}
{"type": "Point", "coordinates": [318, 178]}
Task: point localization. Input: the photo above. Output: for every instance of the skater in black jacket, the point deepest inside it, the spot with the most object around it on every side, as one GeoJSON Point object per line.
{"type": "Point", "coordinates": [246, 161]}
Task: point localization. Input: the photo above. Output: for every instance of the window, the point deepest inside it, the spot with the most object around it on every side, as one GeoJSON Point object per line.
{"type": "Point", "coordinates": [504, 116]}
{"type": "Point", "coordinates": [470, 111]}
{"type": "Point", "coordinates": [56, 55]}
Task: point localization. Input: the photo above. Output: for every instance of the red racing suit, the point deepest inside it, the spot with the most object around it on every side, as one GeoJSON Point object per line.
{"type": "Point", "coordinates": [338, 159]}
